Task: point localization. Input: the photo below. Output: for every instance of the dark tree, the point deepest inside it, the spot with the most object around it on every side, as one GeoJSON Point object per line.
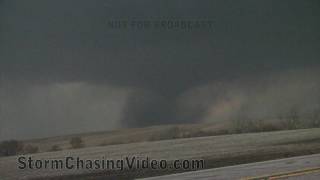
{"type": "Point", "coordinates": [76, 142]}
{"type": "Point", "coordinates": [10, 148]}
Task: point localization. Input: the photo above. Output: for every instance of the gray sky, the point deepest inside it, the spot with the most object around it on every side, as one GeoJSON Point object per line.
{"type": "Point", "coordinates": [65, 52]}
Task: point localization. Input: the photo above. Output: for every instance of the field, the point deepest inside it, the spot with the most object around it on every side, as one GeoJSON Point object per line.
{"type": "Point", "coordinates": [156, 133]}
{"type": "Point", "coordinates": [132, 135]}
{"type": "Point", "coordinates": [217, 151]}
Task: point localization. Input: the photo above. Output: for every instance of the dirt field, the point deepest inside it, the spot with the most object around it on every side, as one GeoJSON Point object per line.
{"type": "Point", "coordinates": [217, 151]}
{"type": "Point", "coordinates": [124, 136]}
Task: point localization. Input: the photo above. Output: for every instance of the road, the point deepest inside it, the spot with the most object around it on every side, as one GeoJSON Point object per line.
{"type": "Point", "coordinates": [302, 167]}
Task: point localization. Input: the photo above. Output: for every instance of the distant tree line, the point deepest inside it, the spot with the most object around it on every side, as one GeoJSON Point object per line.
{"type": "Point", "coordinates": [293, 119]}
{"type": "Point", "coordinates": [14, 147]}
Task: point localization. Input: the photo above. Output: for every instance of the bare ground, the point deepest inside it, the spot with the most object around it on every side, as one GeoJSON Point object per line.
{"type": "Point", "coordinates": [217, 151]}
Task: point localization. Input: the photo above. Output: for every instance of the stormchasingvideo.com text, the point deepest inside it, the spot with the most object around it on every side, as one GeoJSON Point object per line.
{"type": "Point", "coordinates": [102, 163]}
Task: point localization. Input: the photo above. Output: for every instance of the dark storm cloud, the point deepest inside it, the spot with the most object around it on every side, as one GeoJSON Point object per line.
{"type": "Point", "coordinates": [69, 41]}
{"type": "Point", "coordinates": [266, 97]}
{"type": "Point", "coordinates": [59, 108]}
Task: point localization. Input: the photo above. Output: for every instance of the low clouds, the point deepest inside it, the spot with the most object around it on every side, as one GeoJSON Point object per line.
{"type": "Point", "coordinates": [63, 69]}
{"type": "Point", "coordinates": [31, 111]}
{"type": "Point", "coordinates": [61, 108]}
{"type": "Point", "coordinates": [266, 97]}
